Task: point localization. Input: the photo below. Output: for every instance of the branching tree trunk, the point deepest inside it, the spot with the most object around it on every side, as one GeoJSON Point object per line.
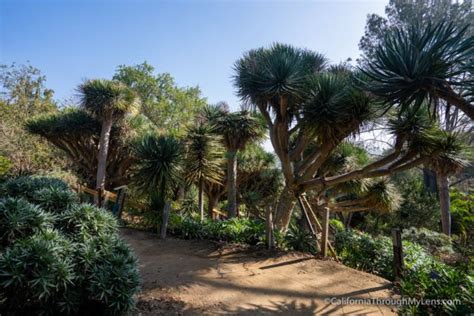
{"type": "Point", "coordinates": [284, 209]}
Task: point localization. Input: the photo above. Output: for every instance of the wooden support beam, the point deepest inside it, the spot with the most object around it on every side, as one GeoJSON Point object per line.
{"type": "Point", "coordinates": [325, 232]}
{"type": "Point", "coordinates": [303, 209]}
{"type": "Point", "coordinates": [319, 226]}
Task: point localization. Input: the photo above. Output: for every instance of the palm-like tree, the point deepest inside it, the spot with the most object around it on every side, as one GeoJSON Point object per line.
{"type": "Point", "coordinates": [204, 157]}
{"type": "Point", "coordinates": [107, 101]}
{"type": "Point", "coordinates": [447, 162]}
{"type": "Point", "coordinates": [304, 102]}
{"type": "Point", "coordinates": [158, 171]}
{"type": "Point", "coordinates": [420, 63]}
{"type": "Point", "coordinates": [237, 130]}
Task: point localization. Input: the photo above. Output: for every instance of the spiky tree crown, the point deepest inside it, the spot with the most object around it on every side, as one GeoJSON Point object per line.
{"type": "Point", "coordinates": [106, 98]}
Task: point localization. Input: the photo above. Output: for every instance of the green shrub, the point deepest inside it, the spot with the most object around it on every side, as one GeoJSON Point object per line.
{"type": "Point", "coordinates": [36, 273]}
{"type": "Point", "coordinates": [19, 219]}
{"type": "Point", "coordinates": [300, 240]}
{"type": "Point", "coordinates": [64, 259]}
{"type": "Point", "coordinates": [439, 281]}
{"type": "Point", "coordinates": [462, 211]}
{"type": "Point", "coordinates": [55, 199]}
{"type": "Point", "coordinates": [109, 273]}
{"type": "Point", "coordinates": [362, 251]}
{"type": "Point", "coordinates": [83, 221]}
{"type": "Point", "coordinates": [26, 186]}
{"type": "Point", "coordinates": [424, 276]}
{"type": "Point", "coordinates": [433, 242]}
{"type": "Point", "coordinates": [337, 225]}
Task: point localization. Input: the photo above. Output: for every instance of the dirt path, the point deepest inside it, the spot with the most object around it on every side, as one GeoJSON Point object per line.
{"type": "Point", "coordinates": [196, 277]}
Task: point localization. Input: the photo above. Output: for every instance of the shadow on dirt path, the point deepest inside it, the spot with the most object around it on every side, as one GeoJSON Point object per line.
{"type": "Point", "coordinates": [187, 277]}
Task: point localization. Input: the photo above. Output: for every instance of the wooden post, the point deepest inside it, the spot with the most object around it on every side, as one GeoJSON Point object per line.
{"type": "Point", "coordinates": [164, 220]}
{"type": "Point", "coordinates": [119, 201]}
{"type": "Point", "coordinates": [397, 253]}
{"type": "Point", "coordinates": [325, 232]}
{"type": "Point", "coordinates": [269, 228]}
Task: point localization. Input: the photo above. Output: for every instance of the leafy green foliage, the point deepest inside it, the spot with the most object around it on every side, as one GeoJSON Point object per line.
{"type": "Point", "coordinates": [462, 212]}
{"type": "Point", "coordinates": [20, 219]}
{"type": "Point", "coordinates": [363, 252]}
{"type": "Point", "coordinates": [240, 230]}
{"type": "Point", "coordinates": [424, 276]}
{"type": "Point", "coordinates": [168, 107]}
{"type": "Point", "coordinates": [60, 257]}
{"type": "Point", "coordinates": [54, 199]}
{"type": "Point", "coordinates": [111, 273]}
{"type": "Point", "coordinates": [23, 94]}
{"type": "Point", "coordinates": [434, 281]}
{"type": "Point", "coordinates": [84, 221]}
{"type": "Point", "coordinates": [300, 240]}
{"type": "Point", "coordinates": [433, 242]}
{"type": "Point", "coordinates": [26, 186]}
{"type": "Point", "coordinates": [36, 273]}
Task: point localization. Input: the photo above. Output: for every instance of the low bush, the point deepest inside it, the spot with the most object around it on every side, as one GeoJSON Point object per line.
{"type": "Point", "coordinates": [60, 257]}
{"type": "Point", "coordinates": [433, 242]}
{"type": "Point", "coordinates": [300, 240]}
{"type": "Point", "coordinates": [19, 219]}
{"type": "Point", "coordinates": [36, 273]}
{"type": "Point", "coordinates": [361, 251]}
{"type": "Point", "coordinates": [239, 230]}
{"type": "Point", "coordinates": [54, 199]}
{"type": "Point", "coordinates": [424, 276]}
{"type": "Point", "coordinates": [26, 186]}
{"type": "Point", "coordinates": [84, 221]}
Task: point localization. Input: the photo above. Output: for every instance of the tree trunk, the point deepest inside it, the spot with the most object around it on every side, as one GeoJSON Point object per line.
{"type": "Point", "coordinates": [429, 180]}
{"type": "Point", "coordinates": [453, 98]}
{"type": "Point", "coordinates": [102, 157]}
{"type": "Point", "coordinates": [212, 203]}
{"type": "Point", "coordinates": [284, 209]}
{"type": "Point", "coordinates": [269, 227]}
{"type": "Point", "coordinates": [232, 184]}
{"type": "Point", "coordinates": [347, 221]}
{"type": "Point", "coordinates": [201, 199]}
{"type": "Point", "coordinates": [444, 202]}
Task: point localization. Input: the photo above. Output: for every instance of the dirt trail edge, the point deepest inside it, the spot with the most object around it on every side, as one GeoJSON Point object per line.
{"type": "Point", "coordinates": [183, 277]}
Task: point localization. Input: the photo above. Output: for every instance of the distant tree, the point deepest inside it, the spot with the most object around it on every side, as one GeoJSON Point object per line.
{"type": "Point", "coordinates": [237, 130]}
{"type": "Point", "coordinates": [169, 107]}
{"type": "Point", "coordinates": [158, 170]}
{"type": "Point", "coordinates": [77, 134]}
{"type": "Point", "coordinates": [203, 159]}
{"type": "Point", "coordinates": [23, 94]}
{"type": "Point", "coordinates": [403, 13]}
{"type": "Point", "coordinates": [107, 101]}
{"type": "Point", "coordinates": [259, 179]}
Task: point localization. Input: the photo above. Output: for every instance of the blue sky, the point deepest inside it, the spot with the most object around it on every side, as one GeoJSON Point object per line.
{"type": "Point", "coordinates": [196, 41]}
